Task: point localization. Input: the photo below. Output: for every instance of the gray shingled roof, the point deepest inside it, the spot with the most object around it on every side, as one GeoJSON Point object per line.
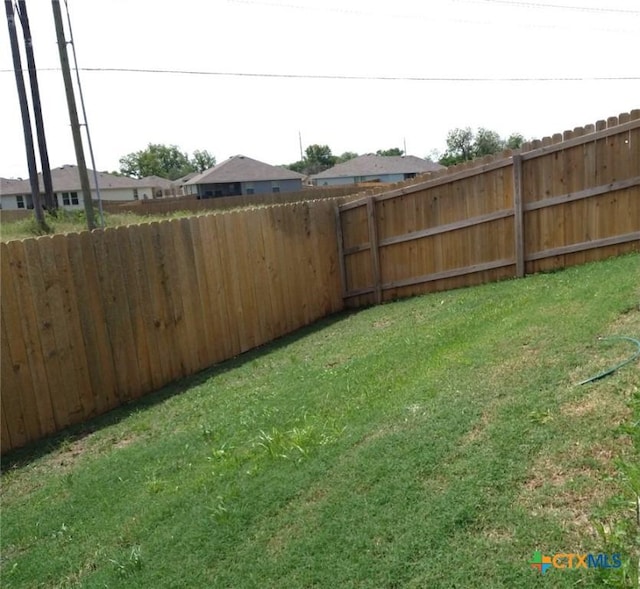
{"type": "Point", "coordinates": [370, 165]}
{"type": "Point", "coordinates": [240, 168]}
{"type": "Point", "coordinates": [184, 179]}
{"type": "Point", "coordinates": [66, 178]}
{"type": "Point", "coordinates": [13, 186]}
{"type": "Point", "coordinates": [156, 182]}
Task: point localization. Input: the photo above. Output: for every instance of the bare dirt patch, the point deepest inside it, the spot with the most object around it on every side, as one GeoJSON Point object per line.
{"type": "Point", "coordinates": [499, 535]}
{"type": "Point", "coordinates": [602, 403]}
{"type": "Point", "coordinates": [567, 488]}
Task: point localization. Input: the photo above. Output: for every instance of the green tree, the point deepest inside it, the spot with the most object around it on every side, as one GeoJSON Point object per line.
{"type": "Point", "coordinates": [459, 147]}
{"type": "Point", "coordinates": [166, 161]}
{"type": "Point", "coordinates": [390, 152]}
{"type": "Point", "coordinates": [346, 156]}
{"type": "Point", "coordinates": [319, 158]}
{"type": "Point", "coordinates": [316, 159]}
{"type": "Point", "coordinates": [487, 142]}
{"type": "Point", "coordinates": [514, 141]}
{"type": "Point", "coordinates": [202, 160]}
{"type": "Point", "coordinates": [464, 144]}
{"type": "Point", "coordinates": [299, 166]}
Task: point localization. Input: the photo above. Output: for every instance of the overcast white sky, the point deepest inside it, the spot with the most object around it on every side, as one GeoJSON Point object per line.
{"type": "Point", "coordinates": [261, 117]}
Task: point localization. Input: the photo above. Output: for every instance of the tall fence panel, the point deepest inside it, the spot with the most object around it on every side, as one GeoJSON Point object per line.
{"type": "Point", "coordinates": [564, 200]}
{"type": "Point", "coordinates": [94, 320]}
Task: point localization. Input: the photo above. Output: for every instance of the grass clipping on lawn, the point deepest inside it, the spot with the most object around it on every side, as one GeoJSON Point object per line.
{"type": "Point", "coordinates": [432, 442]}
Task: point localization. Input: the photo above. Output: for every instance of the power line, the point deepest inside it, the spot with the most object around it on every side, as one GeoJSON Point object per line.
{"type": "Point", "coordinates": [600, 10]}
{"type": "Point", "coordinates": [513, 3]}
{"type": "Point", "coordinates": [346, 76]}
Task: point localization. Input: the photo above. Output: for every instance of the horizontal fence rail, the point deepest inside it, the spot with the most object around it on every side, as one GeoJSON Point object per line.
{"type": "Point", "coordinates": [564, 200]}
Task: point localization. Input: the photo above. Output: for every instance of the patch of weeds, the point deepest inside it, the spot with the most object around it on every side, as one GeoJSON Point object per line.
{"type": "Point", "coordinates": [292, 444]}
{"type": "Point", "coordinates": [130, 564]}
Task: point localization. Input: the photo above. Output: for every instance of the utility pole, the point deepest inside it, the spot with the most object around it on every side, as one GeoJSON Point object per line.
{"type": "Point", "coordinates": [96, 182]}
{"type": "Point", "coordinates": [73, 116]}
{"type": "Point", "coordinates": [26, 118]}
{"type": "Point", "coordinates": [49, 198]}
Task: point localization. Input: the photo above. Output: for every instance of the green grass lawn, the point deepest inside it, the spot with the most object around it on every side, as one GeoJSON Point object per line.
{"type": "Point", "coordinates": [433, 442]}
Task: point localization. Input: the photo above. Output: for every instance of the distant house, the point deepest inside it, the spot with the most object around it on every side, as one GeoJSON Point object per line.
{"type": "Point", "coordinates": [183, 188]}
{"type": "Point", "coordinates": [16, 194]}
{"type": "Point", "coordinates": [375, 168]}
{"type": "Point", "coordinates": [241, 175]}
{"type": "Point", "coordinates": [161, 187]}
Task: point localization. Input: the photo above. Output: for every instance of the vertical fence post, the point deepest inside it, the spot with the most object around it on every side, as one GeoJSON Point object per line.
{"type": "Point", "coordinates": [341, 260]}
{"type": "Point", "coordinates": [373, 243]}
{"type": "Point", "coordinates": [518, 216]}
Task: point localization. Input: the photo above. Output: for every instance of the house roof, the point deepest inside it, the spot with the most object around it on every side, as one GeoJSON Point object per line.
{"type": "Point", "coordinates": [184, 179]}
{"type": "Point", "coordinates": [67, 178]}
{"type": "Point", "coordinates": [156, 182]}
{"type": "Point", "coordinates": [369, 165]}
{"type": "Point", "coordinates": [240, 168]}
{"type": "Point", "coordinates": [12, 186]}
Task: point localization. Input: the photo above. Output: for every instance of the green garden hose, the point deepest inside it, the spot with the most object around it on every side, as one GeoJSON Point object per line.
{"type": "Point", "coordinates": [617, 366]}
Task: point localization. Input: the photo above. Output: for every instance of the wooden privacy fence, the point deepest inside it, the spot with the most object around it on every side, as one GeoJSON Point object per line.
{"type": "Point", "coordinates": [565, 200]}
{"type": "Point", "coordinates": [93, 320]}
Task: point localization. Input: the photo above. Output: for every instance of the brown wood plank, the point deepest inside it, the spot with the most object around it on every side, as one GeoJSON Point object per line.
{"type": "Point", "coordinates": [359, 292]}
{"type": "Point", "coordinates": [14, 255]}
{"type": "Point", "coordinates": [92, 323]}
{"type": "Point", "coordinates": [79, 363]}
{"type": "Point", "coordinates": [163, 331]}
{"type": "Point", "coordinates": [211, 289]}
{"type": "Point", "coordinates": [5, 436]}
{"type": "Point", "coordinates": [447, 227]}
{"type": "Point", "coordinates": [174, 299]}
{"type": "Point", "coordinates": [231, 258]}
{"type": "Point", "coordinates": [117, 316]}
{"type": "Point", "coordinates": [452, 273]}
{"type": "Point", "coordinates": [257, 277]}
{"type": "Point", "coordinates": [296, 224]}
{"type": "Point", "coordinates": [582, 194]}
{"type": "Point", "coordinates": [518, 216]}
{"type": "Point", "coordinates": [187, 290]}
{"type": "Point", "coordinates": [206, 309]}
{"type": "Point", "coordinates": [145, 331]}
{"type": "Point", "coordinates": [586, 245]}
{"type": "Point", "coordinates": [40, 284]}
{"type": "Point", "coordinates": [277, 269]}
{"type": "Point", "coordinates": [224, 289]}
{"type": "Point", "coordinates": [57, 300]}
{"type": "Point", "coordinates": [22, 385]}
{"type": "Point", "coordinates": [373, 239]}
{"type": "Point", "coordinates": [341, 250]}
{"type": "Point", "coordinates": [273, 268]}
{"type": "Point", "coordinates": [18, 428]}
{"type": "Point", "coordinates": [133, 272]}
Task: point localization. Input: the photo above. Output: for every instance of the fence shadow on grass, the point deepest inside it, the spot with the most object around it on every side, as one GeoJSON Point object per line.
{"type": "Point", "coordinates": [23, 456]}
